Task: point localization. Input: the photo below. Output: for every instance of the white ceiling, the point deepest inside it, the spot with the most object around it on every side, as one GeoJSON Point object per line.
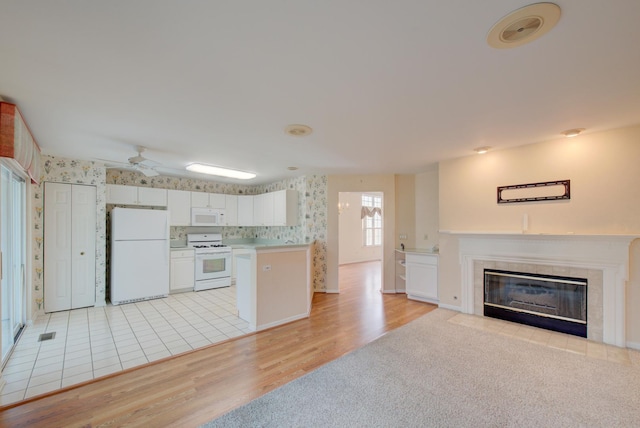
{"type": "Point", "coordinates": [387, 86]}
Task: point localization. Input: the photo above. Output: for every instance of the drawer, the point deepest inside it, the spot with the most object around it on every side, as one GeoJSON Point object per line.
{"type": "Point", "coordinates": [423, 259]}
{"type": "Point", "coordinates": [180, 254]}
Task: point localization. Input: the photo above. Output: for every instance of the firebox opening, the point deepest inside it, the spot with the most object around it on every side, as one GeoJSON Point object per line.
{"type": "Point", "coordinates": [555, 303]}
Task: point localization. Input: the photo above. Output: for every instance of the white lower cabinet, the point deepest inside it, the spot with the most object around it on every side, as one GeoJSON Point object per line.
{"type": "Point", "coordinates": [69, 246]}
{"type": "Point", "coordinates": [183, 269]}
{"type": "Point", "coordinates": [422, 277]}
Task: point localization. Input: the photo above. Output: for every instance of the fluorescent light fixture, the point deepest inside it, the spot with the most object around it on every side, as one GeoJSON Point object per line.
{"type": "Point", "coordinates": [222, 172]}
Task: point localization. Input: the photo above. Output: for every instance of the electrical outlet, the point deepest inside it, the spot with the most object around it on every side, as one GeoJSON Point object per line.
{"type": "Point", "coordinates": [403, 236]}
{"type": "Point", "coordinates": [266, 268]}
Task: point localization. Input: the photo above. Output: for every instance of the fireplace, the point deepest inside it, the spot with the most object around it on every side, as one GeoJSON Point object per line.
{"type": "Point", "coordinates": [553, 302]}
{"type": "Point", "coordinates": [602, 259]}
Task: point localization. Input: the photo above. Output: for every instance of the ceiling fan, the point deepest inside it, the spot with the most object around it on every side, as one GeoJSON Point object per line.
{"type": "Point", "coordinates": [137, 163]}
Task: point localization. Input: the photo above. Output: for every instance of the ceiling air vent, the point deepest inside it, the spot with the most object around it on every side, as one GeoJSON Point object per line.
{"type": "Point", "coordinates": [524, 25]}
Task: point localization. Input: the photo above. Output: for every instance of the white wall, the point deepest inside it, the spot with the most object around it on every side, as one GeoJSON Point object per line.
{"type": "Point", "coordinates": [604, 169]}
{"type": "Point", "coordinates": [405, 211]}
{"type": "Point", "coordinates": [351, 245]}
{"type": "Point", "coordinates": [427, 208]}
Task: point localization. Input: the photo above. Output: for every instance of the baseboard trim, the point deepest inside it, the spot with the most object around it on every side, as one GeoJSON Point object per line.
{"type": "Point", "coordinates": [633, 345]}
{"type": "Point", "coordinates": [284, 321]}
{"type": "Point", "coordinates": [450, 307]}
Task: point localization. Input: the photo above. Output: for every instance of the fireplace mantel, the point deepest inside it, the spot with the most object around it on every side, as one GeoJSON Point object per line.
{"type": "Point", "coordinates": [606, 253]}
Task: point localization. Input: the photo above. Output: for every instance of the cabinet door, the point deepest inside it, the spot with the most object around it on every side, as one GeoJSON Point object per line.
{"type": "Point", "coordinates": [263, 209]}
{"type": "Point", "coordinates": [231, 210]}
{"type": "Point", "coordinates": [199, 200]}
{"type": "Point", "coordinates": [152, 197]}
{"type": "Point", "coordinates": [217, 200]}
{"type": "Point", "coordinates": [280, 208]}
{"type": "Point", "coordinates": [422, 277]}
{"type": "Point", "coordinates": [285, 208]}
{"type": "Point", "coordinates": [258, 210]}
{"type": "Point", "coordinates": [179, 206]}
{"type": "Point", "coordinates": [245, 210]}
{"type": "Point", "coordinates": [182, 273]}
{"type": "Point", "coordinates": [122, 195]}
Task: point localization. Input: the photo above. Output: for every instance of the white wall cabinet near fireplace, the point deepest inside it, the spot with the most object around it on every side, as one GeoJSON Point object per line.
{"type": "Point", "coordinates": [134, 195]}
{"type": "Point", "coordinates": [69, 246]}
{"type": "Point", "coordinates": [422, 276]}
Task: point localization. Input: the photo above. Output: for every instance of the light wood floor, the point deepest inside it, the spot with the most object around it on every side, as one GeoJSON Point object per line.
{"type": "Point", "coordinates": [192, 389]}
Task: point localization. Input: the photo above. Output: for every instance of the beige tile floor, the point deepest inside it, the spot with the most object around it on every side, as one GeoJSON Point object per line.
{"type": "Point", "coordinates": [542, 337]}
{"type": "Point", "coordinates": [94, 342]}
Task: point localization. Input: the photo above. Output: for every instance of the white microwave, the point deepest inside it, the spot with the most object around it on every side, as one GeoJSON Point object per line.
{"type": "Point", "coordinates": [207, 217]}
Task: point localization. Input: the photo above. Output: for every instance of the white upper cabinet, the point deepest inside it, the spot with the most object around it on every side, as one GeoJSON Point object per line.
{"type": "Point", "coordinates": [132, 195]}
{"type": "Point", "coordinates": [245, 210]}
{"type": "Point", "coordinates": [179, 207]}
{"type": "Point", "coordinates": [231, 210]}
{"type": "Point", "coordinates": [285, 208]}
{"type": "Point", "coordinates": [208, 200]}
{"type": "Point", "coordinates": [152, 197]}
{"type": "Point", "coordinates": [263, 210]}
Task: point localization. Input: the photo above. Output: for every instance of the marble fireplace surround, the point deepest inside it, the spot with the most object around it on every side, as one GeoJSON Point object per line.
{"type": "Point", "coordinates": [602, 259]}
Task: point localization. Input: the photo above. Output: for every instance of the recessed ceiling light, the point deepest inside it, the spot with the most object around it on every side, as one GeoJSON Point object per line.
{"type": "Point", "coordinates": [298, 130]}
{"type": "Point", "coordinates": [222, 172]}
{"type": "Point", "coordinates": [482, 150]}
{"type": "Point", "coordinates": [524, 25]}
{"type": "Point", "coordinates": [572, 132]}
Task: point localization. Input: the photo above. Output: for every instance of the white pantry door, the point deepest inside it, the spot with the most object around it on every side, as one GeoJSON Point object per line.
{"type": "Point", "coordinates": [69, 246]}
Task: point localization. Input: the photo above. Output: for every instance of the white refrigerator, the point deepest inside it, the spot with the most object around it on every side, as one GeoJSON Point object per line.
{"type": "Point", "coordinates": [139, 255]}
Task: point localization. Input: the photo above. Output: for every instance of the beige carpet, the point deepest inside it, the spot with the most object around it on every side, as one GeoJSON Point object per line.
{"type": "Point", "coordinates": [433, 372]}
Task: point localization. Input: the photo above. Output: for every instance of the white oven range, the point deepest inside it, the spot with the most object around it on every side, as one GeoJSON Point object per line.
{"type": "Point", "coordinates": [213, 260]}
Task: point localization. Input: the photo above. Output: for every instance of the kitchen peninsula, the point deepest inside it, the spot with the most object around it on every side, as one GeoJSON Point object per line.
{"type": "Point", "coordinates": [273, 283]}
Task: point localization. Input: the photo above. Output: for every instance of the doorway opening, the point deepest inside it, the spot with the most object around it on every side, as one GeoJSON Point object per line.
{"type": "Point", "coordinates": [360, 237]}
